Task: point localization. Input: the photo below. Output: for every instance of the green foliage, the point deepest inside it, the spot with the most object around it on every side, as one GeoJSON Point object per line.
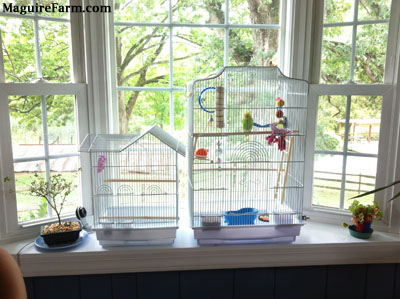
{"type": "Point", "coordinates": [365, 213]}
{"type": "Point", "coordinates": [54, 191]}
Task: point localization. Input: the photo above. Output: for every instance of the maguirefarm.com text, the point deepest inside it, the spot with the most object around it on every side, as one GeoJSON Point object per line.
{"type": "Point", "coordinates": [54, 7]}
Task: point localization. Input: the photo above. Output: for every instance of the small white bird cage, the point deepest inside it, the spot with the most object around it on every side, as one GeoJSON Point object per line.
{"type": "Point", "coordinates": [135, 186]}
{"type": "Point", "coordinates": [246, 142]}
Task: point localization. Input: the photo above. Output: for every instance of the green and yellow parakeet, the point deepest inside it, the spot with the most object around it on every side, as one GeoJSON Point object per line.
{"type": "Point", "coordinates": [247, 123]}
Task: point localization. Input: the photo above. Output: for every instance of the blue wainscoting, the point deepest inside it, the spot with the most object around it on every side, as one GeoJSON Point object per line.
{"type": "Point", "coordinates": [331, 282]}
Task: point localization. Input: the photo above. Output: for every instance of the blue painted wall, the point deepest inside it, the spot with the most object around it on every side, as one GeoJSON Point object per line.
{"type": "Point", "coordinates": [331, 282]}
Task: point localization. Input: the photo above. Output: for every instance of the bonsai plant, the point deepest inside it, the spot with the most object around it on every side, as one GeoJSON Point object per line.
{"type": "Point", "coordinates": [362, 217]}
{"type": "Point", "coordinates": [55, 193]}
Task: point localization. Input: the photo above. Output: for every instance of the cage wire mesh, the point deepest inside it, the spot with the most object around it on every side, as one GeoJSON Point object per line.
{"type": "Point", "coordinates": [235, 176]}
{"type": "Point", "coordinates": [135, 180]}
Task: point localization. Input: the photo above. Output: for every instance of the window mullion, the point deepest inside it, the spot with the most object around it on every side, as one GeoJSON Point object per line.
{"type": "Point", "coordinates": [37, 44]}
{"type": "Point", "coordinates": [226, 37]}
{"type": "Point", "coordinates": [171, 69]}
{"type": "Point", "coordinates": [353, 41]}
{"type": "Point", "coordinates": [345, 146]}
{"type": "Point", "coordinates": [46, 145]}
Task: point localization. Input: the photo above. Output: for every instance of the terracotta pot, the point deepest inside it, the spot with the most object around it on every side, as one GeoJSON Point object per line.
{"type": "Point", "coordinates": [360, 227]}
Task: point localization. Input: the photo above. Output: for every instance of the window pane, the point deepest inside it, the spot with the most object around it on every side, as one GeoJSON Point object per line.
{"type": "Point", "coordinates": [360, 178]}
{"type": "Point", "coordinates": [254, 12]}
{"type": "Point", "coordinates": [371, 55]}
{"type": "Point", "coordinates": [26, 126]}
{"type": "Point", "coordinates": [18, 49]}
{"type": "Point", "coordinates": [57, 8]}
{"type": "Point", "coordinates": [365, 120]}
{"type": "Point", "coordinates": [327, 180]}
{"type": "Point", "coordinates": [180, 106]}
{"type": "Point", "coordinates": [374, 10]}
{"type": "Point", "coordinates": [330, 123]}
{"type": "Point", "coordinates": [199, 11]}
{"type": "Point", "coordinates": [68, 168]}
{"type": "Point", "coordinates": [143, 109]}
{"type": "Point", "coordinates": [150, 11]}
{"type": "Point", "coordinates": [197, 53]}
{"type": "Point", "coordinates": [336, 52]}
{"type": "Point", "coordinates": [61, 124]}
{"type": "Point", "coordinates": [29, 207]}
{"type": "Point", "coordinates": [55, 51]}
{"type": "Point", "coordinates": [142, 56]}
{"type": "Point", "coordinates": [337, 11]}
{"type": "Point", "coordinates": [253, 47]}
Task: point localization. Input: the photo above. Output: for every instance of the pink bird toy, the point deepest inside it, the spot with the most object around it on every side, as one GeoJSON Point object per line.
{"type": "Point", "coordinates": [101, 163]}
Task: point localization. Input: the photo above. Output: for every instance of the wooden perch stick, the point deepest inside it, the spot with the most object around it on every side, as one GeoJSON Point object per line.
{"type": "Point", "coordinates": [230, 169]}
{"type": "Point", "coordinates": [235, 133]}
{"type": "Point", "coordinates": [137, 217]}
{"type": "Point", "coordinates": [287, 169]}
{"type": "Point", "coordinates": [138, 181]}
{"type": "Point", "coordinates": [279, 175]}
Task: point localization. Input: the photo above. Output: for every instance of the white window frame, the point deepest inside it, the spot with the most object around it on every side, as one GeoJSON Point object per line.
{"type": "Point", "coordinates": [85, 114]}
{"type": "Point", "coordinates": [388, 167]}
{"type": "Point", "coordinates": [285, 36]}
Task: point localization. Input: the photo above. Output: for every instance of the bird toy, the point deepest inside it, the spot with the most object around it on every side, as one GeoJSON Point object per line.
{"type": "Point", "coordinates": [201, 154]}
{"type": "Point", "coordinates": [101, 163]}
{"type": "Point", "coordinates": [219, 107]}
{"type": "Point", "coordinates": [278, 136]}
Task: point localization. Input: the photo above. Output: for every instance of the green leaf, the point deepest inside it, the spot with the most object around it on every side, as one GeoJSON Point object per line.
{"type": "Point", "coordinates": [377, 190]}
{"type": "Point", "coordinates": [397, 195]}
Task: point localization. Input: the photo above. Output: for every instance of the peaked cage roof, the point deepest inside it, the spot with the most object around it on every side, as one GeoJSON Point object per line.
{"type": "Point", "coordinates": [163, 136]}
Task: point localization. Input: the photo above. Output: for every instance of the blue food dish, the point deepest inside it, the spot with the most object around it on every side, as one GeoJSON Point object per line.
{"type": "Point", "coordinates": [241, 217]}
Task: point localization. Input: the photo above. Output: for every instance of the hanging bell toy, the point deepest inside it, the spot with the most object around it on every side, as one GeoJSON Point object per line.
{"type": "Point", "coordinates": [211, 121]}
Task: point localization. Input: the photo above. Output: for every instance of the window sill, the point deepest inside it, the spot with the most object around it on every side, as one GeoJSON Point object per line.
{"type": "Point", "coordinates": [318, 244]}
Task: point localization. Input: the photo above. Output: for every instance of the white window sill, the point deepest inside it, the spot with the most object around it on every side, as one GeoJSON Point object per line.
{"type": "Point", "coordinates": [318, 244]}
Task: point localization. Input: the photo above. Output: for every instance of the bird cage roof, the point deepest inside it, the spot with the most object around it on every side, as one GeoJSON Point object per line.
{"type": "Point", "coordinates": [105, 142]}
{"type": "Point", "coordinates": [220, 71]}
{"type": "Point", "coordinates": [164, 137]}
{"type": "Point", "coordinates": [120, 142]}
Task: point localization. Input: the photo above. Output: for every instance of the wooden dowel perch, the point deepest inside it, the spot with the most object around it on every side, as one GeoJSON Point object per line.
{"type": "Point", "coordinates": [233, 169]}
{"type": "Point", "coordinates": [138, 181]}
{"type": "Point", "coordinates": [234, 133]}
{"type": "Point", "coordinates": [287, 169]}
{"type": "Point", "coordinates": [278, 181]}
{"type": "Point", "coordinates": [138, 217]}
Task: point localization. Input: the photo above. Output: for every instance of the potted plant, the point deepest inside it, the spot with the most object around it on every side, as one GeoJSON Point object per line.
{"type": "Point", "coordinates": [55, 193]}
{"type": "Point", "coordinates": [362, 217]}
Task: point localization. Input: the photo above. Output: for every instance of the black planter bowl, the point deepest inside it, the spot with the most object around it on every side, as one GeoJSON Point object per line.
{"type": "Point", "coordinates": [359, 235]}
{"type": "Point", "coordinates": [61, 238]}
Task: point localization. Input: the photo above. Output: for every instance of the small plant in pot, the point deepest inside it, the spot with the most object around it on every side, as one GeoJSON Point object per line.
{"type": "Point", "coordinates": [362, 217]}
{"type": "Point", "coordinates": [55, 193]}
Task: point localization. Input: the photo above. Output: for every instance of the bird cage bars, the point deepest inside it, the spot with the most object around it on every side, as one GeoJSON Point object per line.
{"type": "Point", "coordinates": [246, 148]}
{"type": "Point", "coordinates": [135, 185]}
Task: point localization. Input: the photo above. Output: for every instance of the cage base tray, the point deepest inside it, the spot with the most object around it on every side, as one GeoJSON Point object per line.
{"type": "Point", "coordinates": [247, 234]}
{"type": "Point", "coordinates": [247, 241]}
{"type": "Point", "coordinates": [148, 236]}
{"type": "Point", "coordinates": [109, 243]}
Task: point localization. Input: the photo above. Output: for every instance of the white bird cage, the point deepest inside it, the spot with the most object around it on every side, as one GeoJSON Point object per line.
{"type": "Point", "coordinates": [135, 186]}
{"type": "Point", "coordinates": [246, 184]}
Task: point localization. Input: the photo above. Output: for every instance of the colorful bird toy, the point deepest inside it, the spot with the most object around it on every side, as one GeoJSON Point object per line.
{"type": "Point", "coordinates": [278, 136]}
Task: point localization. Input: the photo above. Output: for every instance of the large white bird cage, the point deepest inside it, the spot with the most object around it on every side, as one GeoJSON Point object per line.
{"type": "Point", "coordinates": [135, 186]}
{"type": "Point", "coordinates": [245, 153]}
